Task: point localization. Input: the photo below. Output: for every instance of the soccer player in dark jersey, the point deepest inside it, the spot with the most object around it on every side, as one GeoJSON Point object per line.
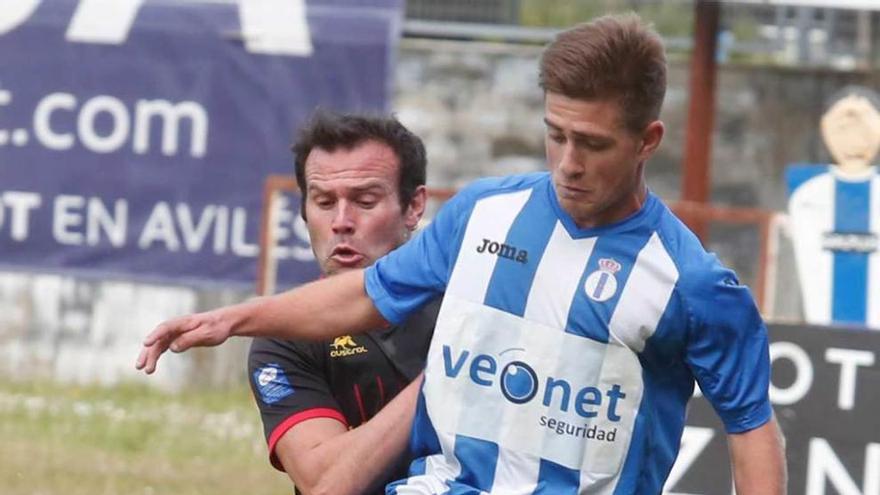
{"type": "Point", "coordinates": [336, 413]}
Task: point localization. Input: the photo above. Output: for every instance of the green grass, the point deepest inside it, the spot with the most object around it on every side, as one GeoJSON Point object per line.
{"type": "Point", "coordinates": [129, 439]}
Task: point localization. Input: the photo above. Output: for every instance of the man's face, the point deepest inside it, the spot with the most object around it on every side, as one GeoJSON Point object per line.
{"type": "Point", "coordinates": [596, 163]}
{"type": "Point", "coordinates": [353, 207]}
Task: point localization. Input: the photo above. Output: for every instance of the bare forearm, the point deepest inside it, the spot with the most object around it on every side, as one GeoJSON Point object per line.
{"type": "Point", "coordinates": [758, 458]}
{"type": "Point", "coordinates": [359, 460]}
{"type": "Point", "coordinates": [317, 311]}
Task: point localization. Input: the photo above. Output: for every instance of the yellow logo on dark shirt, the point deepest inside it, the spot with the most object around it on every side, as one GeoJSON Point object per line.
{"type": "Point", "coordinates": [346, 346]}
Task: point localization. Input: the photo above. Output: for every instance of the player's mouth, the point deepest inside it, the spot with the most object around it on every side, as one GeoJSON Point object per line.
{"type": "Point", "coordinates": [571, 192]}
{"type": "Point", "coordinates": [346, 256]}
{"type": "Point", "coordinates": [856, 155]}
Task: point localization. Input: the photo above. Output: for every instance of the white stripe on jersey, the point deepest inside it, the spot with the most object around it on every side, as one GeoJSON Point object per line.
{"type": "Point", "coordinates": [604, 461]}
{"type": "Point", "coordinates": [491, 219]}
{"type": "Point", "coordinates": [438, 470]}
{"type": "Point", "coordinates": [516, 473]}
{"type": "Point", "coordinates": [557, 278]}
{"type": "Point", "coordinates": [812, 214]}
{"type": "Point", "coordinates": [645, 296]}
{"type": "Point", "coordinates": [590, 485]}
{"type": "Point", "coordinates": [873, 295]}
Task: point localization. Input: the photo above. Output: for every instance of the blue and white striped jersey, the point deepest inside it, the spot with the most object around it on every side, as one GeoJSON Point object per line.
{"type": "Point", "coordinates": [836, 227]}
{"type": "Point", "coordinates": [563, 358]}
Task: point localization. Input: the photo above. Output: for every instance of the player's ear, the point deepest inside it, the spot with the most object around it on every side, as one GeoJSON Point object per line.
{"type": "Point", "coordinates": [651, 138]}
{"type": "Point", "coordinates": [416, 208]}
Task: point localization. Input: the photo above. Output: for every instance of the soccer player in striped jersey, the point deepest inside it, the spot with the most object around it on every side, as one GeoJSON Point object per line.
{"type": "Point", "coordinates": [835, 216]}
{"type": "Point", "coordinates": [578, 311]}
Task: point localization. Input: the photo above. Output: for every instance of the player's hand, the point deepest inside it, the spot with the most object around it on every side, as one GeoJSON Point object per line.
{"type": "Point", "coordinates": [197, 330]}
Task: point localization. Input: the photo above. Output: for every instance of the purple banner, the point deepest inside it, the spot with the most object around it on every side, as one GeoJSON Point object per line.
{"type": "Point", "coordinates": [135, 135]}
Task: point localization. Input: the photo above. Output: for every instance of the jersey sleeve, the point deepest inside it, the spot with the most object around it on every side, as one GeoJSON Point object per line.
{"type": "Point", "coordinates": [728, 350]}
{"type": "Point", "coordinates": [419, 270]}
{"type": "Point", "coordinates": [289, 387]}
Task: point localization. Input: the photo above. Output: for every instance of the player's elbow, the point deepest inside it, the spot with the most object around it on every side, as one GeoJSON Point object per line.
{"type": "Point", "coordinates": [307, 477]}
{"type": "Point", "coordinates": [326, 481]}
{"type": "Point", "coordinates": [325, 485]}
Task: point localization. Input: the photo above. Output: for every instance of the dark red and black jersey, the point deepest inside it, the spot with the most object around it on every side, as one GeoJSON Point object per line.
{"type": "Point", "coordinates": [348, 379]}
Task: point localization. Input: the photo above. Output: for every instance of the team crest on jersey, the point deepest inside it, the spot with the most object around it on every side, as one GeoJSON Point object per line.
{"type": "Point", "coordinates": [346, 346]}
{"type": "Point", "coordinates": [601, 285]}
{"type": "Point", "coordinates": [272, 383]}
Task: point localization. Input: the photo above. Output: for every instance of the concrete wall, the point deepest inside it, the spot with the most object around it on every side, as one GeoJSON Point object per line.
{"type": "Point", "coordinates": [479, 110]}
{"type": "Point", "coordinates": [89, 331]}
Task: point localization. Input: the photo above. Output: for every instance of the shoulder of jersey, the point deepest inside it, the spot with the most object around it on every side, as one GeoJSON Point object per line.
{"type": "Point", "coordinates": [490, 185]}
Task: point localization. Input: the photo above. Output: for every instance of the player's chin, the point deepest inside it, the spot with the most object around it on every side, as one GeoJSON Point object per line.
{"type": "Point", "coordinates": [581, 209]}
{"type": "Point", "coordinates": [335, 268]}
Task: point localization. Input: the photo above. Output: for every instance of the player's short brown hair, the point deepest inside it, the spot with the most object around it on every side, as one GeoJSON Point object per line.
{"type": "Point", "coordinates": [612, 57]}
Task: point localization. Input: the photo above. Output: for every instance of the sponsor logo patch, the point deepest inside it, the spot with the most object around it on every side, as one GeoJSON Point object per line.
{"type": "Point", "coordinates": [520, 383]}
{"type": "Point", "coordinates": [346, 346]}
{"type": "Point", "coordinates": [272, 383]}
{"type": "Point", "coordinates": [850, 242]}
{"type": "Point", "coordinates": [502, 250]}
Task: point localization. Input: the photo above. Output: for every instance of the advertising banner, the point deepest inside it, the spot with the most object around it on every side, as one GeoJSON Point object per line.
{"type": "Point", "coordinates": [135, 135]}
{"type": "Point", "coordinates": [824, 393]}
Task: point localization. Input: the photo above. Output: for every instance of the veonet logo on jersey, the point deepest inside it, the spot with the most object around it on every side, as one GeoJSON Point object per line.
{"type": "Point", "coordinates": [601, 285]}
{"type": "Point", "coordinates": [519, 383]}
{"type": "Point", "coordinates": [346, 346]}
{"type": "Point", "coordinates": [853, 242]}
{"type": "Point", "coordinates": [502, 250]}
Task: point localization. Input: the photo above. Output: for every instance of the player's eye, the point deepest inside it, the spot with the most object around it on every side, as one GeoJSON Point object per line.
{"type": "Point", "coordinates": [368, 201]}
{"type": "Point", "coordinates": [557, 137]}
{"type": "Point", "coordinates": [323, 202]}
{"type": "Point", "coordinates": [594, 144]}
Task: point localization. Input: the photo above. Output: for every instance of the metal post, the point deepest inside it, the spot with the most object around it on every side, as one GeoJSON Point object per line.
{"type": "Point", "coordinates": [780, 28]}
{"type": "Point", "coordinates": [513, 12]}
{"type": "Point", "coordinates": [863, 38]}
{"type": "Point", "coordinates": [804, 26]}
{"type": "Point", "coordinates": [696, 179]}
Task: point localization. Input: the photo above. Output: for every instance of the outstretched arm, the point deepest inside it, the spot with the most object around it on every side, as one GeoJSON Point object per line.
{"type": "Point", "coordinates": [322, 457]}
{"type": "Point", "coordinates": [320, 310]}
{"type": "Point", "coordinates": [758, 458]}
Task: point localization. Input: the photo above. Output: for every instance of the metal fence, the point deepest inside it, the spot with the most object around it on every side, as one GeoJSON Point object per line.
{"type": "Point", "coordinates": [793, 35]}
{"type": "Point", "coordinates": [482, 11]}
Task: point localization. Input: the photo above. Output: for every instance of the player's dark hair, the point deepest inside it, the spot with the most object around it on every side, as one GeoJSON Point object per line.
{"type": "Point", "coordinates": [330, 131]}
{"type": "Point", "coordinates": [615, 56]}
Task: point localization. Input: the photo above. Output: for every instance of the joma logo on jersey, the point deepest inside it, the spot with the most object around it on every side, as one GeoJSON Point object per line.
{"type": "Point", "coordinates": [346, 346]}
{"type": "Point", "coordinates": [519, 383]}
{"type": "Point", "coordinates": [504, 251]}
